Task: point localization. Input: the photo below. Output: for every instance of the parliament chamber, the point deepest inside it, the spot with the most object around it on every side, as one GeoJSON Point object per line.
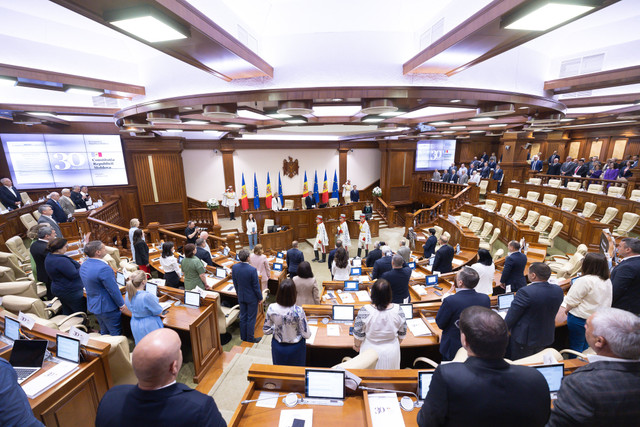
{"type": "Point", "coordinates": [320, 192]}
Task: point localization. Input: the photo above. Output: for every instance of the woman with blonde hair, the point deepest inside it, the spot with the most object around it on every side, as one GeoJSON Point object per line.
{"type": "Point", "coordinates": [259, 261]}
{"type": "Point", "coordinates": [145, 308]}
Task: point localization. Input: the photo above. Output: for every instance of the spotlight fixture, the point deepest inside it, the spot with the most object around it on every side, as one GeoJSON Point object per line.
{"type": "Point", "coordinates": [457, 127]}
{"type": "Point", "coordinates": [295, 108]}
{"type": "Point", "coordinates": [544, 15]}
{"type": "Point", "coordinates": [296, 120]}
{"type": "Point", "coordinates": [378, 106]}
{"type": "Point", "coordinates": [220, 111]}
{"type": "Point", "coordinates": [481, 119]}
{"type": "Point", "coordinates": [498, 125]}
{"type": "Point", "coordinates": [442, 123]}
{"type": "Point", "coordinates": [196, 122]}
{"type": "Point", "coordinates": [147, 23]}
{"type": "Point", "coordinates": [455, 101]}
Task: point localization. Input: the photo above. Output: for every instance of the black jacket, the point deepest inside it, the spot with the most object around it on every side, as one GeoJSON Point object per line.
{"type": "Point", "coordinates": [398, 278]}
{"type": "Point", "coordinates": [444, 257]}
{"type": "Point", "coordinates": [294, 258]}
{"type": "Point", "coordinates": [625, 278]}
{"type": "Point", "coordinates": [513, 271]}
{"type": "Point", "coordinates": [8, 199]}
{"type": "Point", "coordinates": [429, 246]}
{"type": "Point", "coordinates": [373, 256]}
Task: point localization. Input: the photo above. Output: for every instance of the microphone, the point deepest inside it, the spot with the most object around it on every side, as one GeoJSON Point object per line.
{"type": "Point", "coordinates": [288, 400]}
{"type": "Point", "coordinates": [405, 403]}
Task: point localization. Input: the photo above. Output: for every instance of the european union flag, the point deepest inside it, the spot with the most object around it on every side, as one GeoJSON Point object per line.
{"type": "Point", "coordinates": [334, 192]}
{"type": "Point", "coordinates": [256, 196]}
{"type": "Point", "coordinates": [280, 191]}
{"type": "Point", "coordinates": [316, 195]}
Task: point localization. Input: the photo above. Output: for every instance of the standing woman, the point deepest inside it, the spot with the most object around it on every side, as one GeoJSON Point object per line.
{"type": "Point", "coordinates": [340, 268]}
{"type": "Point", "coordinates": [145, 308]}
{"type": "Point", "coordinates": [486, 270]}
{"type": "Point", "coordinates": [288, 324]}
{"type": "Point", "coordinates": [306, 286]}
{"type": "Point", "coordinates": [134, 224]}
{"type": "Point", "coordinates": [193, 270]}
{"type": "Point", "coordinates": [142, 251]}
{"type": "Point", "coordinates": [588, 294]}
{"type": "Point", "coordinates": [170, 266]}
{"type": "Point", "coordinates": [252, 231]}
{"type": "Point", "coordinates": [65, 278]}
{"type": "Point", "coordinates": [381, 326]}
{"type": "Point", "coordinates": [259, 261]}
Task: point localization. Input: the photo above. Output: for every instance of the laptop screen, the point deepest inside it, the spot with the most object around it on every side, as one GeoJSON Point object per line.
{"type": "Point", "coordinates": [152, 288]}
{"type": "Point", "coordinates": [356, 271]}
{"type": "Point", "coordinates": [28, 353]}
{"type": "Point", "coordinates": [343, 312]}
{"type": "Point", "coordinates": [192, 298]}
{"type": "Point", "coordinates": [424, 381]}
{"type": "Point", "coordinates": [324, 384]}
{"type": "Point", "coordinates": [351, 285]}
{"type": "Point", "coordinates": [221, 273]}
{"type": "Point", "coordinates": [68, 348]}
{"type": "Point", "coordinates": [280, 255]}
{"type": "Point", "coordinates": [277, 266]}
{"type": "Point", "coordinates": [408, 310]}
{"type": "Point", "coordinates": [504, 301]}
{"type": "Point", "coordinates": [412, 265]}
{"type": "Point", "coordinates": [11, 328]}
{"type": "Point", "coordinates": [356, 262]}
{"type": "Point", "coordinates": [432, 280]}
{"type": "Point", "coordinates": [553, 374]}
{"type": "Point", "coordinates": [120, 278]}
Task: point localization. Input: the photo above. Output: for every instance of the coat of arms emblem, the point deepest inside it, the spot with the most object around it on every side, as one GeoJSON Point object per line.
{"type": "Point", "coordinates": [290, 167]}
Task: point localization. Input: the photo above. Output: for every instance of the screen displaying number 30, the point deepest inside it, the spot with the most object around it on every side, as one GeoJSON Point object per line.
{"type": "Point", "coordinates": [66, 161]}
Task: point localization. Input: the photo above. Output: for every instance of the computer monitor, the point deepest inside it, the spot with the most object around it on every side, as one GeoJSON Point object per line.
{"type": "Point", "coordinates": [424, 381]}
{"type": "Point", "coordinates": [68, 348]}
{"type": "Point", "coordinates": [192, 298]}
{"type": "Point", "coordinates": [351, 285]}
{"type": "Point", "coordinates": [408, 310]}
{"type": "Point", "coordinates": [277, 266]}
{"type": "Point", "coordinates": [11, 328]}
{"type": "Point", "coordinates": [280, 255]}
{"type": "Point", "coordinates": [431, 280]}
{"type": "Point", "coordinates": [343, 312]}
{"type": "Point", "coordinates": [152, 288]}
{"type": "Point", "coordinates": [120, 278]}
{"type": "Point", "coordinates": [356, 271]}
{"type": "Point", "coordinates": [356, 262]}
{"type": "Point", "coordinates": [324, 384]}
{"type": "Point", "coordinates": [505, 300]}
{"type": "Point", "coordinates": [412, 265]}
{"type": "Point", "coordinates": [221, 273]}
{"type": "Point", "coordinates": [553, 374]}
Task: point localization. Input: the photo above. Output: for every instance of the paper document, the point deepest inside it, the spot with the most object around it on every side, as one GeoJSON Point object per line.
{"type": "Point", "coordinates": [314, 331]}
{"type": "Point", "coordinates": [165, 305]}
{"type": "Point", "coordinates": [385, 410]}
{"type": "Point", "coordinates": [419, 290]}
{"type": "Point", "coordinates": [287, 416]}
{"type": "Point", "coordinates": [46, 380]}
{"type": "Point", "coordinates": [267, 403]}
{"type": "Point", "coordinates": [418, 328]}
{"type": "Point", "coordinates": [212, 281]}
{"type": "Point", "coordinates": [363, 296]}
{"type": "Point", "coordinates": [347, 298]}
{"type": "Point", "coordinates": [230, 288]}
{"type": "Point", "coordinates": [417, 275]}
{"type": "Point", "coordinates": [333, 330]}
{"type": "Point", "coordinates": [364, 278]}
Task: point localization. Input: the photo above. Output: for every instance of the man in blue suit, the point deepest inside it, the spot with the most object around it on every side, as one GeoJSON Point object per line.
{"type": "Point", "coordinates": [514, 265]}
{"type": "Point", "coordinates": [355, 195]}
{"type": "Point", "coordinates": [58, 213]}
{"type": "Point", "coordinates": [452, 306]}
{"type": "Point", "coordinates": [625, 277]}
{"type": "Point", "coordinates": [486, 171]}
{"type": "Point", "coordinates": [103, 294]}
{"type": "Point", "coordinates": [532, 315]}
{"type": "Point", "coordinates": [382, 265]}
{"type": "Point", "coordinates": [444, 257]}
{"type": "Point", "coordinates": [498, 173]}
{"type": "Point", "coordinates": [398, 277]}
{"type": "Point", "coordinates": [294, 258]}
{"type": "Point", "coordinates": [202, 253]}
{"type": "Point", "coordinates": [429, 247]}
{"type": "Point", "coordinates": [536, 164]}
{"type": "Point", "coordinates": [245, 280]}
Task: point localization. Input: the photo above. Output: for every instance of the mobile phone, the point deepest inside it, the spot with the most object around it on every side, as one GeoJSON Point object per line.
{"type": "Point", "coordinates": [350, 330]}
{"type": "Point", "coordinates": [438, 287]}
{"type": "Point", "coordinates": [438, 293]}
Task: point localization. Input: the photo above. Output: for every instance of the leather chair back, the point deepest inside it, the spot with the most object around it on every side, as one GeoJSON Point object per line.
{"type": "Point", "coordinates": [16, 246]}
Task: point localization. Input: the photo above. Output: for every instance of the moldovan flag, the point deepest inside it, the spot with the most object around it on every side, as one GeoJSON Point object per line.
{"type": "Point", "coordinates": [325, 189]}
{"type": "Point", "coordinates": [267, 198]}
{"type": "Point", "coordinates": [244, 201]}
{"type": "Point", "coordinates": [334, 192]}
{"type": "Point", "coordinates": [256, 196]}
{"type": "Point", "coordinates": [280, 191]}
{"type": "Point", "coordinates": [305, 186]}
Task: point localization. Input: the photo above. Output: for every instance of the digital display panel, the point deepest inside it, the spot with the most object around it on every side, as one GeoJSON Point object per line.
{"type": "Point", "coordinates": [435, 154]}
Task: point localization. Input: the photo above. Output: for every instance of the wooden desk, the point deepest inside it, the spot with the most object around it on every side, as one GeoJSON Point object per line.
{"type": "Point", "coordinates": [509, 229]}
{"type": "Point", "coordinates": [278, 241]}
{"type": "Point", "coordinates": [73, 401]}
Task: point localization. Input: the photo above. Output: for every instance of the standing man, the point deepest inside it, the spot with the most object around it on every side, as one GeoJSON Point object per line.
{"type": "Point", "coordinates": [444, 257]}
{"type": "Point", "coordinates": [9, 195]}
{"type": "Point", "coordinates": [453, 305]}
{"type": "Point", "coordinates": [464, 179]}
{"type": "Point", "coordinates": [498, 174]}
{"type": "Point", "coordinates": [485, 390]}
{"type": "Point", "coordinates": [429, 246]}
{"type": "Point", "coordinates": [532, 315]}
{"type": "Point", "coordinates": [245, 280]}
{"type": "Point", "coordinates": [581, 169]}
{"type": "Point", "coordinates": [46, 212]}
{"type": "Point", "coordinates": [436, 176]}
{"type": "Point", "coordinates": [294, 258]}
{"type": "Point", "coordinates": [553, 157]}
{"type": "Point", "coordinates": [463, 170]}
{"type": "Point", "coordinates": [332, 254]}
{"type": "Point", "coordinates": [202, 253]}
{"type": "Point", "coordinates": [567, 167]}
{"type": "Point", "coordinates": [191, 232]}
{"type": "Point", "coordinates": [346, 190]}
{"type": "Point", "coordinates": [355, 194]}
{"type": "Point", "coordinates": [398, 278]}
{"type": "Point", "coordinates": [104, 298]}
{"type": "Point", "coordinates": [484, 157]}
{"type": "Point", "coordinates": [404, 251]}
{"type": "Point", "coordinates": [446, 177]}
{"type": "Point", "coordinates": [514, 265]}
{"type": "Point", "coordinates": [58, 212]}
{"type": "Point", "coordinates": [625, 277]}
{"type": "Point", "coordinates": [66, 203]}
{"type": "Point", "coordinates": [38, 250]}
{"type": "Point", "coordinates": [604, 392]}
{"type": "Point", "coordinates": [486, 171]}
{"type": "Point", "coordinates": [321, 240]}
{"type": "Point", "coordinates": [374, 255]}
{"type": "Point", "coordinates": [384, 264]}
{"type": "Point", "coordinates": [554, 168]}
{"type": "Point", "coordinates": [343, 232]}
{"type": "Point", "coordinates": [536, 164]}
{"type": "Point", "coordinates": [230, 201]}
{"type": "Point", "coordinates": [364, 237]}
{"type": "Point", "coordinates": [77, 198]}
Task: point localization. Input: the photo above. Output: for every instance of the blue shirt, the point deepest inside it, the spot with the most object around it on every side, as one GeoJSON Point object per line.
{"type": "Point", "coordinates": [15, 410]}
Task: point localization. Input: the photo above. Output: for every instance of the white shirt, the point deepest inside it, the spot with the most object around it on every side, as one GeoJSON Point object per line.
{"type": "Point", "coordinates": [587, 295]}
{"type": "Point", "coordinates": [11, 189]}
{"type": "Point", "coordinates": [50, 217]}
{"type": "Point", "coordinates": [340, 273]}
{"type": "Point", "coordinates": [170, 264]}
{"type": "Point", "coordinates": [486, 273]}
{"type": "Point", "coordinates": [252, 227]}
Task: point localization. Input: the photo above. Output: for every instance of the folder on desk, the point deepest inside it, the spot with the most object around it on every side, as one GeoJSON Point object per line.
{"type": "Point", "coordinates": [48, 379]}
{"type": "Point", "coordinates": [363, 296]}
{"type": "Point", "coordinates": [347, 298]}
{"type": "Point", "coordinates": [418, 328]}
{"type": "Point", "coordinates": [419, 290]}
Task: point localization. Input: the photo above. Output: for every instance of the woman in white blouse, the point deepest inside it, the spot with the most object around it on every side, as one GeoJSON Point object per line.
{"type": "Point", "coordinates": [588, 293]}
{"type": "Point", "coordinates": [486, 270]}
{"type": "Point", "coordinates": [252, 231]}
{"type": "Point", "coordinates": [340, 267]}
{"type": "Point", "coordinates": [170, 265]}
{"type": "Point", "coordinates": [288, 324]}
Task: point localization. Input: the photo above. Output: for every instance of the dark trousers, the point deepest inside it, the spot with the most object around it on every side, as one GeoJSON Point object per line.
{"type": "Point", "coordinates": [292, 274]}
{"type": "Point", "coordinates": [577, 340]}
{"type": "Point", "coordinates": [294, 354]}
{"type": "Point", "coordinates": [110, 323]}
{"type": "Point", "coordinates": [248, 313]}
{"type": "Point", "coordinates": [72, 302]}
{"type": "Point", "coordinates": [172, 279]}
{"type": "Point", "coordinates": [518, 351]}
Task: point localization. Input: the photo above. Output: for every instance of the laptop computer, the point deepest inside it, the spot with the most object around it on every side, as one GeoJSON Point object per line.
{"type": "Point", "coordinates": [343, 313]}
{"type": "Point", "coordinates": [408, 310]}
{"type": "Point", "coordinates": [424, 381]}
{"type": "Point", "coordinates": [11, 328]}
{"type": "Point", "coordinates": [351, 285]}
{"type": "Point", "coordinates": [220, 273]}
{"type": "Point", "coordinates": [553, 374]}
{"type": "Point", "coordinates": [68, 348]}
{"type": "Point", "coordinates": [356, 262]}
{"type": "Point", "coordinates": [504, 301]}
{"type": "Point", "coordinates": [191, 299]}
{"type": "Point", "coordinates": [412, 265]}
{"type": "Point", "coordinates": [277, 266]}
{"type": "Point", "coordinates": [27, 357]}
{"type": "Point", "coordinates": [431, 280]}
{"type": "Point", "coordinates": [120, 280]}
{"type": "Point", "coordinates": [152, 288]}
{"type": "Point", "coordinates": [355, 271]}
{"type": "Point", "coordinates": [280, 255]}
{"type": "Point", "coordinates": [324, 384]}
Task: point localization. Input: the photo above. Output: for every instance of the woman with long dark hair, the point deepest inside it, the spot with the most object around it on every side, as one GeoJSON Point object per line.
{"type": "Point", "coordinates": [170, 266]}
{"type": "Point", "coordinates": [142, 251]}
{"type": "Point", "coordinates": [340, 268]}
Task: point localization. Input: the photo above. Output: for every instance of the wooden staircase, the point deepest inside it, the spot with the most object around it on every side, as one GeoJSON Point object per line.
{"type": "Point", "coordinates": [226, 232]}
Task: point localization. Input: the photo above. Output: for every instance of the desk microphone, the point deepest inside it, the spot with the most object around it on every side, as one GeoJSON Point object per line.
{"type": "Point", "coordinates": [405, 403]}
{"type": "Point", "coordinates": [290, 399]}
{"type": "Point", "coordinates": [178, 300]}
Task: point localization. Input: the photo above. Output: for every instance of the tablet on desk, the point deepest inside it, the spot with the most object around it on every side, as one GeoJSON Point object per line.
{"type": "Point", "coordinates": [68, 348]}
{"type": "Point", "coordinates": [221, 273]}
{"type": "Point", "coordinates": [356, 262]}
{"type": "Point", "coordinates": [424, 381]}
{"type": "Point", "coordinates": [351, 285]}
{"type": "Point", "coordinates": [324, 384]}
{"type": "Point", "coordinates": [11, 328]}
{"type": "Point", "coordinates": [120, 278]}
{"type": "Point", "coordinates": [192, 299]}
{"type": "Point", "coordinates": [412, 265]}
{"type": "Point", "coordinates": [431, 280]}
{"type": "Point", "coordinates": [505, 300]}
{"type": "Point", "coordinates": [408, 310]}
{"type": "Point", "coordinates": [553, 374]}
{"type": "Point", "coordinates": [277, 266]}
{"type": "Point", "coordinates": [343, 313]}
{"type": "Point", "coordinates": [152, 288]}
{"type": "Point", "coordinates": [225, 251]}
{"type": "Point", "coordinates": [356, 271]}
{"type": "Point", "coordinates": [280, 255]}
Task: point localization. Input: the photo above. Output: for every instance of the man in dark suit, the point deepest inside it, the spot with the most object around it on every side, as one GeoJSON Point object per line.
{"type": "Point", "coordinates": [531, 317]}
{"type": "Point", "coordinates": [444, 257]}
{"type": "Point", "coordinates": [486, 171]}
{"type": "Point", "coordinates": [452, 306]}
{"type": "Point", "coordinates": [332, 254]}
{"type": "Point", "coordinates": [9, 195]}
{"type": "Point", "coordinates": [485, 390]}
{"type": "Point", "coordinates": [498, 173]}
{"type": "Point", "coordinates": [157, 399]}
{"type": "Point", "coordinates": [355, 194]}
{"type": "Point", "coordinates": [514, 265]}
{"type": "Point", "coordinates": [536, 164]}
{"type": "Point", "coordinates": [309, 201]}
{"type": "Point", "coordinates": [553, 157]}
{"type": "Point", "coordinates": [16, 410]}
{"type": "Point", "coordinates": [484, 157]}
{"type": "Point", "coordinates": [398, 277]}
{"type": "Point", "coordinates": [625, 277]}
{"type": "Point", "coordinates": [245, 280]}
{"type": "Point", "coordinates": [568, 167]}
{"type": "Point", "coordinates": [604, 392]}
{"type": "Point", "coordinates": [554, 167]}
{"type": "Point", "coordinates": [294, 258]}
{"type": "Point", "coordinates": [374, 255]}
{"type": "Point", "coordinates": [429, 247]}
{"type": "Point", "coordinates": [454, 178]}
{"type": "Point", "coordinates": [202, 252]}
{"type": "Point", "coordinates": [58, 213]}
{"type": "Point", "coordinates": [104, 298]}
{"type": "Point", "coordinates": [581, 169]}
{"type": "Point", "coordinates": [46, 213]}
{"type": "Point", "coordinates": [446, 177]}
{"type": "Point", "coordinates": [38, 250]}
{"type": "Point", "coordinates": [78, 198]}
{"type": "Point", "coordinates": [382, 265]}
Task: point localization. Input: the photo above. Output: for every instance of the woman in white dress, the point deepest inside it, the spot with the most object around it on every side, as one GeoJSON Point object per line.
{"type": "Point", "coordinates": [381, 326]}
{"type": "Point", "coordinates": [340, 267]}
{"type": "Point", "coordinates": [486, 270]}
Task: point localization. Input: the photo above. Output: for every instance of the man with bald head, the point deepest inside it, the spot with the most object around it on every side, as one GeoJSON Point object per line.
{"type": "Point", "coordinates": [157, 399]}
{"type": "Point", "coordinates": [58, 212]}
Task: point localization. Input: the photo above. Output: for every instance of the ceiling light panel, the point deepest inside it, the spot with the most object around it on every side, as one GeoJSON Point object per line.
{"type": "Point", "coordinates": [149, 28]}
{"type": "Point", "coordinates": [248, 114]}
{"type": "Point", "coordinates": [432, 111]}
{"type": "Point", "coordinates": [335, 110]}
{"type": "Point", "coordinates": [84, 91]}
{"type": "Point", "coordinates": [547, 16]}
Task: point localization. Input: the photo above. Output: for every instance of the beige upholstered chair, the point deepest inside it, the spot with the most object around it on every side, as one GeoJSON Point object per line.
{"type": "Point", "coordinates": [464, 219]}
{"type": "Point", "coordinates": [490, 205]}
{"type": "Point", "coordinates": [288, 204]}
{"type": "Point", "coordinates": [589, 209]}
{"type": "Point", "coordinates": [595, 188]}
{"type": "Point", "coordinates": [505, 209]}
{"type": "Point", "coordinates": [2, 207]}
{"type": "Point", "coordinates": [267, 223]}
{"type": "Point", "coordinates": [550, 199]}
{"type": "Point", "coordinates": [538, 358]}
{"type": "Point", "coordinates": [304, 205]}
{"type": "Point", "coordinates": [37, 308]}
{"type": "Point", "coordinates": [25, 198]}
{"type": "Point", "coordinates": [28, 220]}
{"type": "Point", "coordinates": [487, 245]}
{"type": "Point", "coordinates": [535, 181]}
{"type": "Point", "coordinates": [609, 215]}
{"type": "Point", "coordinates": [356, 215]}
{"type": "Point", "coordinates": [426, 360]}
{"type": "Point", "coordinates": [519, 213]}
{"type": "Point", "coordinates": [532, 217]}
{"type": "Point", "coordinates": [16, 246]}
{"type": "Point", "coordinates": [554, 183]}
{"type": "Point", "coordinates": [447, 235]}
{"type": "Point", "coordinates": [119, 358]}
{"type": "Point", "coordinates": [565, 267]}
{"type": "Point", "coordinates": [555, 230]}
{"type": "Point", "coordinates": [635, 195]}
{"type": "Point", "coordinates": [533, 196]}
{"type": "Point", "coordinates": [333, 202]}
{"type": "Point", "coordinates": [573, 185]}
{"type": "Point", "coordinates": [483, 186]}
{"type": "Point", "coordinates": [543, 224]}
{"type": "Point", "coordinates": [23, 288]}
{"type": "Point", "coordinates": [347, 199]}
{"type": "Point", "coordinates": [615, 191]}
{"type": "Point", "coordinates": [486, 230]}
{"type": "Point", "coordinates": [36, 215]}
{"type": "Point", "coordinates": [226, 315]}
{"type": "Point", "coordinates": [476, 224]}
{"type": "Point", "coordinates": [569, 204]}
{"type": "Point", "coordinates": [438, 231]}
{"type": "Point", "coordinates": [367, 359]}
{"type": "Point", "coordinates": [12, 262]}
{"type": "Point", "coordinates": [513, 192]}
{"type": "Point", "coordinates": [629, 220]}
{"type": "Point", "coordinates": [118, 262]}
{"type": "Point", "coordinates": [499, 254]}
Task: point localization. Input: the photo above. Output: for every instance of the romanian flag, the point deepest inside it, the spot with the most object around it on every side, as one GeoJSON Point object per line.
{"type": "Point", "coordinates": [267, 198]}
{"type": "Point", "coordinates": [316, 195]}
{"type": "Point", "coordinates": [256, 196]}
{"type": "Point", "coordinates": [305, 186]}
{"type": "Point", "coordinates": [244, 201]}
{"type": "Point", "coordinates": [335, 194]}
{"type": "Point", "coordinates": [325, 189]}
{"type": "Point", "coordinates": [280, 191]}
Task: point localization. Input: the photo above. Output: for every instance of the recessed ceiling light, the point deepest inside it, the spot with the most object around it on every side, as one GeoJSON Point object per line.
{"type": "Point", "coordinates": [373, 119]}
{"type": "Point", "coordinates": [248, 114]}
{"type": "Point", "coordinates": [173, 130]}
{"type": "Point", "coordinates": [567, 120]}
{"type": "Point", "coordinates": [498, 125]}
{"type": "Point", "coordinates": [39, 114]}
{"type": "Point", "coordinates": [279, 116]}
{"type": "Point", "coordinates": [187, 108]}
{"type": "Point", "coordinates": [212, 131]}
{"type": "Point", "coordinates": [196, 122]}
{"type": "Point", "coordinates": [435, 136]}
{"type": "Point", "coordinates": [432, 111]}
{"type": "Point", "coordinates": [442, 123]}
{"type": "Point", "coordinates": [458, 127]}
{"type": "Point", "coordinates": [477, 131]}
{"type": "Point", "coordinates": [8, 81]}
{"type": "Point", "coordinates": [234, 125]}
{"type": "Point", "coordinates": [548, 16]}
{"type": "Point", "coordinates": [84, 91]}
{"type": "Point", "coordinates": [454, 101]}
{"type": "Point", "coordinates": [335, 110]}
{"type": "Point", "coordinates": [523, 108]}
{"type": "Point", "coordinates": [148, 24]}
{"type": "Point", "coordinates": [481, 119]}
{"type": "Point", "coordinates": [296, 120]}
{"type": "Point", "coordinates": [392, 113]}
{"type": "Point", "coordinates": [448, 132]}
{"type": "Point", "coordinates": [337, 99]}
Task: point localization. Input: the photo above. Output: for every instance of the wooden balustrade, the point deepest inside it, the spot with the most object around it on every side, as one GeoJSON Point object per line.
{"type": "Point", "coordinates": [105, 223]}
{"type": "Point", "coordinates": [158, 234]}
{"type": "Point", "coordinates": [386, 211]}
{"type": "Point", "coordinates": [438, 187]}
{"type": "Point", "coordinates": [460, 199]}
{"type": "Point", "coordinates": [585, 182]}
{"type": "Point", "coordinates": [426, 216]}
{"type": "Point", "coordinates": [206, 218]}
